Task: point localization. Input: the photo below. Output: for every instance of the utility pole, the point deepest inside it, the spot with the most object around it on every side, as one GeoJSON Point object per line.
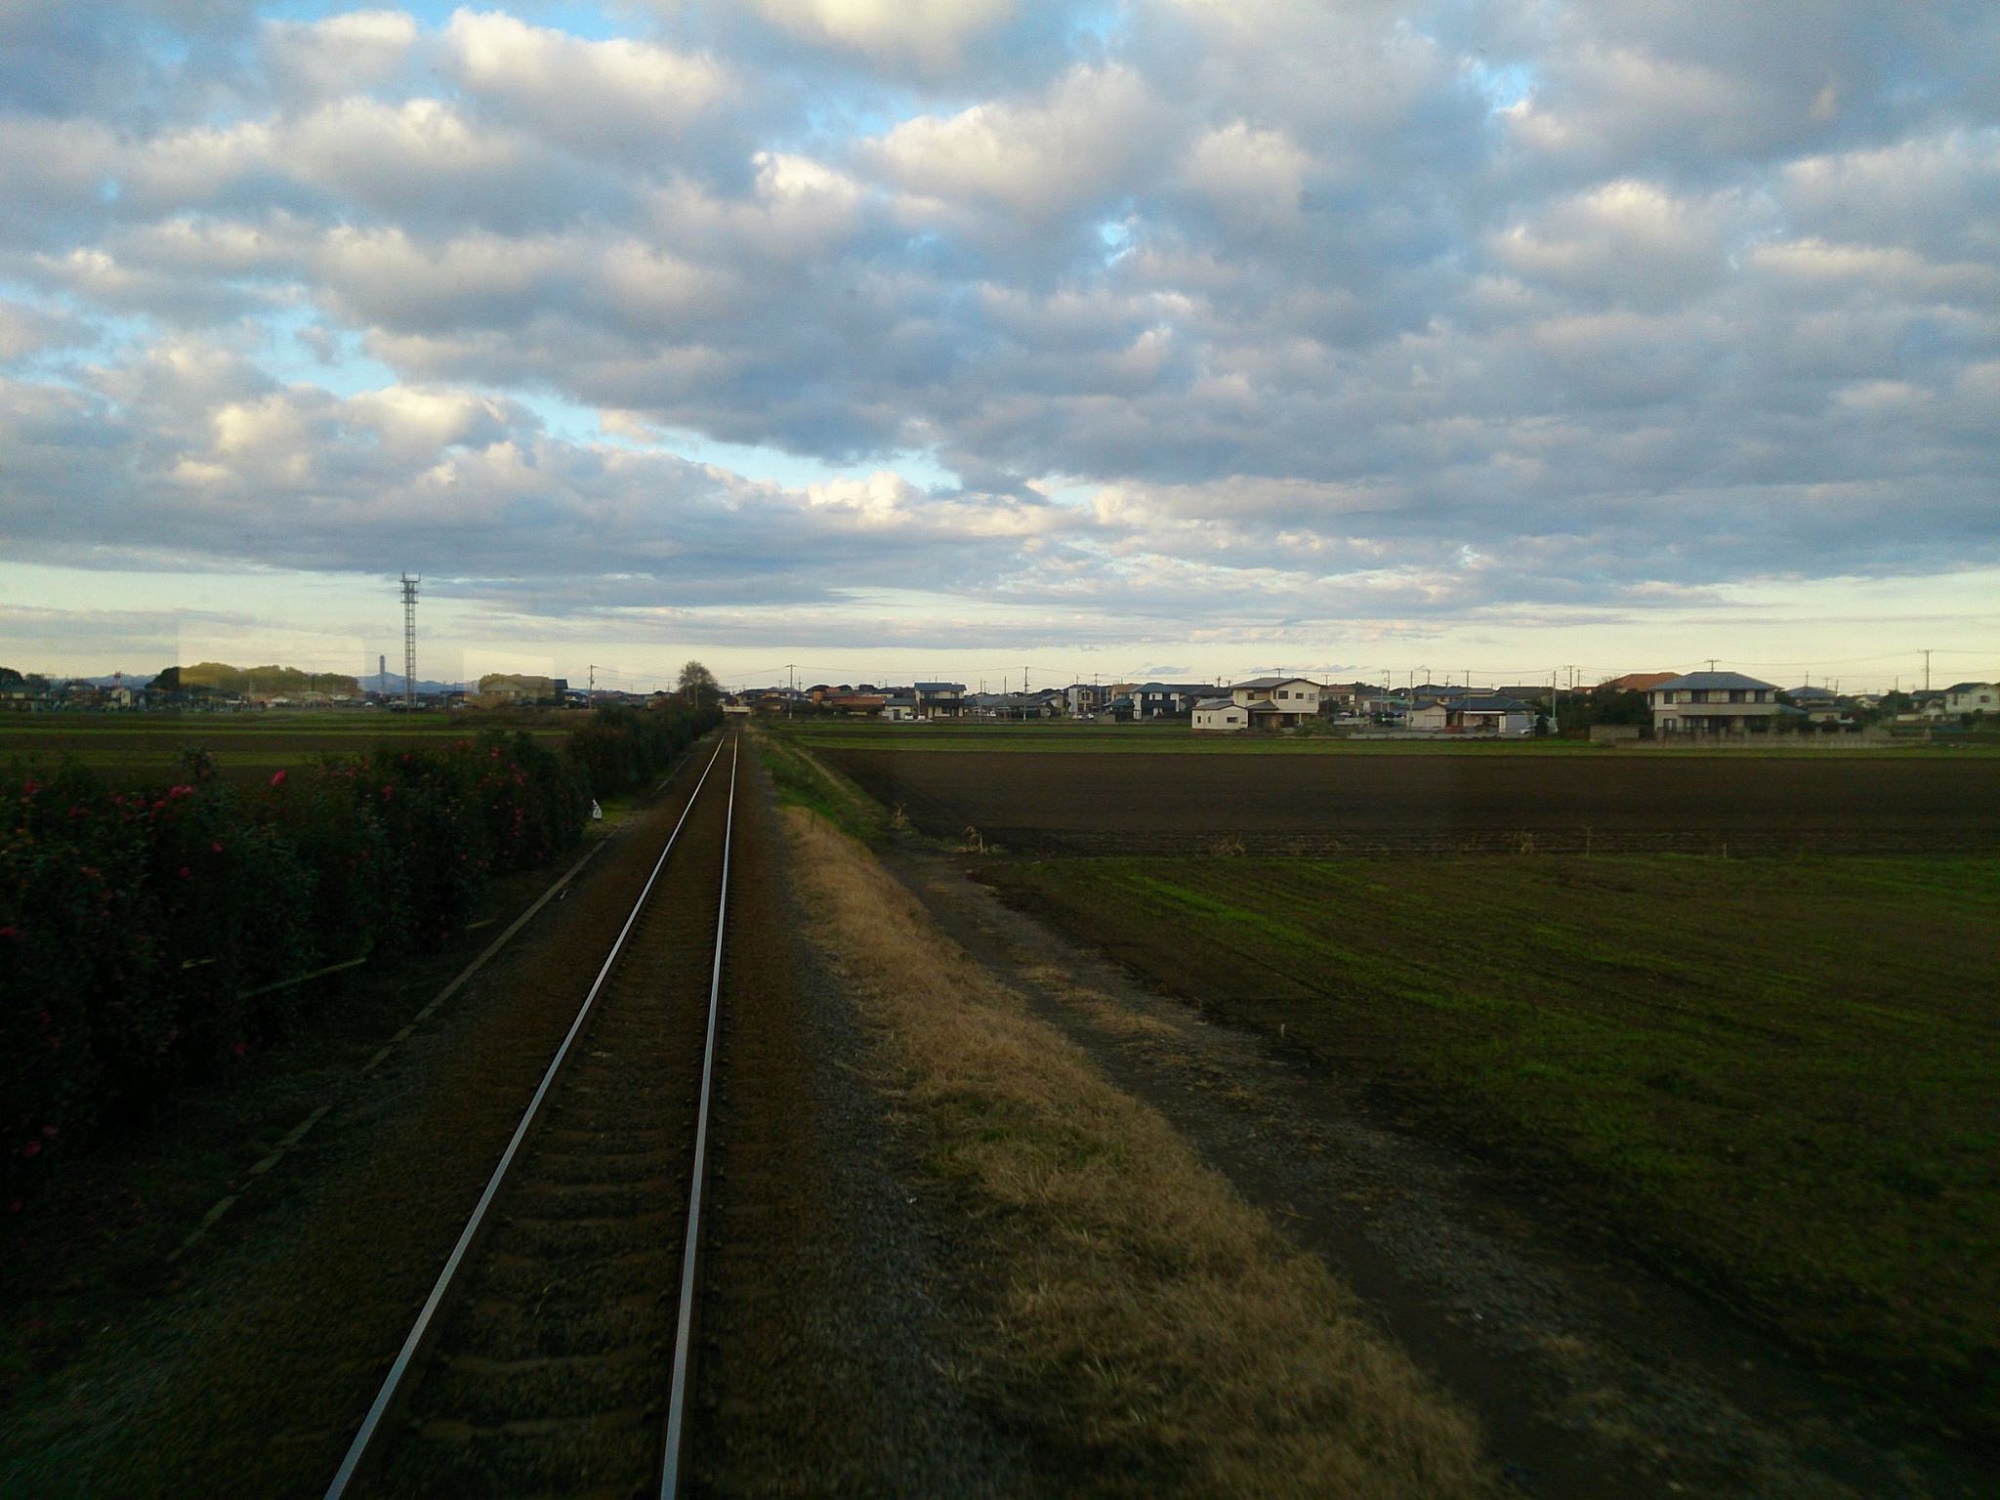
{"type": "Point", "coordinates": [791, 686]}
{"type": "Point", "coordinates": [410, 639]}
{"type": "Point", "coordinates": [1712, 661]}
{"type": "Point", "coordinates": [1927, 672]}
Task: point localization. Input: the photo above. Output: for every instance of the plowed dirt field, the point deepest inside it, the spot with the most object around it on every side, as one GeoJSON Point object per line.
{"type": "Point", "coordinates": [1743, 802]}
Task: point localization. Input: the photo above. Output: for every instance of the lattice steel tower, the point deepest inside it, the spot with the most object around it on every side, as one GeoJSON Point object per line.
{"type": "Point", "coordinates": [410, 639]}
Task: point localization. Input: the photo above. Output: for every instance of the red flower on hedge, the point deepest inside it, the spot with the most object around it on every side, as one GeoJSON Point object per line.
{"type": "Point", "coordinates": [279, 779]}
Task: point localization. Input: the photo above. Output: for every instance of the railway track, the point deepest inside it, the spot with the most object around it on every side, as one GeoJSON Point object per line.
{"type": "Point", "coordinates": [553, 1355]}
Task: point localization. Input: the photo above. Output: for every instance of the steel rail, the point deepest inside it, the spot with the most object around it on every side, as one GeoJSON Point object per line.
{"type": "Point", "coordinates": [358, 1453]}
{"type": "Point", "coordinates": [670, 1466]}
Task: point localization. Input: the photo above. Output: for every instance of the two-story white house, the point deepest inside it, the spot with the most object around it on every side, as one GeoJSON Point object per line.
{"type": "Point", "coordinates": [1972, 698]}
{"type": "Point", "coordinates": [1713, 703]}
{"type": "Point", "coordinates": [1278, 702]}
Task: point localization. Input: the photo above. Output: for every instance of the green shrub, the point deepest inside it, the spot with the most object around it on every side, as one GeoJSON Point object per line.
{"type": "Point", "coordinates": [146, 936]}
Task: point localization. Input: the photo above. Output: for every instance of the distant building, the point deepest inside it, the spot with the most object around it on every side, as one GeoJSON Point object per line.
{"type": "Point", "coordinates": [1159, 700]}
{"type": "Point", "coordinates": [1278, 702]}
{"type": "Point", "coordinates": [1635, 682]}
{"type": "Point", "coordinates": [1220, 716]}
{"type": "Point", "coordinates": [1713, 703]}
{"type": "Point", "coordinates": [1045, 704]}
{"type": "Point", "coordinates": [1972, 698]}
{"type": "Point", "coordinates": [1489, 714]}
{"type": "Point", "coordinates": [503, 689]}
{"type": "Point", "coordinates": [940, 700]}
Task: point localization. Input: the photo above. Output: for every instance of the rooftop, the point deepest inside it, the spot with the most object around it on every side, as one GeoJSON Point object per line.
{"type": "Point", "coordinates": [1713, 680]}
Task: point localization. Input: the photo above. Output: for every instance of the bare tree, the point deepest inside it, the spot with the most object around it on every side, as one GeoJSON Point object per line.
{"type": "Point", "coordinates": [698, 685]}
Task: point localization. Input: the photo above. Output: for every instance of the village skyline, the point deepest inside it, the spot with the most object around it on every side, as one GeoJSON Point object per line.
{"type": "Point", "coordinates": [1145, 336]}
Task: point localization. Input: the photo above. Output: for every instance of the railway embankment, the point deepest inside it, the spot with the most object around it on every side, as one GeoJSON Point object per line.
{"type": "Point", "coordinates": [1120, 1304]}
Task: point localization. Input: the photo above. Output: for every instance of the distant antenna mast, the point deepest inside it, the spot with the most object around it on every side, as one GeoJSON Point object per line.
{"type": "Point", "coordinates": [410, 639]}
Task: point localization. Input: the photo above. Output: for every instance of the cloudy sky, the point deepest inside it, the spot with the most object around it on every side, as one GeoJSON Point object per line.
{"type": "Point", "coordinates": [915, 337]}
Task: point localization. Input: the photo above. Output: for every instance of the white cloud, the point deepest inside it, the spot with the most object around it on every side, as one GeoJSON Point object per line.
{"type": "Point", "coordinates": [619, 96]}
{"type": "Point", "coordinates": [1629, 241]}
{"type": "Point", "coordinates": [930, 33]}
{"type": "Point", "coordinates": [1331, 308]}
{"type": "Point", "coordinates": [1255, 175]}
{"type": "Point", "coordinates": [1031, 160]}
{"type": "Point", "coordinates": [316, 60]}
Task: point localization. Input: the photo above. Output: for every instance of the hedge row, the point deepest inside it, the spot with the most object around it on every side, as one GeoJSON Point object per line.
{"type": "Point", "coordinates": [147, 936]}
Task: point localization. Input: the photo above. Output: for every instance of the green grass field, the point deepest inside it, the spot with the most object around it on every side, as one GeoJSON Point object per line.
{"type": "Point", "coordinates": [1776, 1077]}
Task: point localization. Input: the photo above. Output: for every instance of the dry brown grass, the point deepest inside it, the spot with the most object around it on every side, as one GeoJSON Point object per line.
{"type": "Point", "coordinates": [1153, 1333]}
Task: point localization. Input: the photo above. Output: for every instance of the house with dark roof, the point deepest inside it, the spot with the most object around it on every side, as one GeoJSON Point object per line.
{"type": "Point", "coordinates": [1220, 716]}
{"type": "Point", "coordinates": [1972, 698]}
{"type": "Point", "coordinates": [1490, 714]}
{"type": "Point", "coordinates": [940, 700]}
{"type": "Point", "coordinates": [1044, 704]}
{"type": "Point", "coordinates": [1713, 703]}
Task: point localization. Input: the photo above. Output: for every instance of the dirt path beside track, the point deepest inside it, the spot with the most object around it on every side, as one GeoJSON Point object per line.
{"type": "Point", "coordinates": [1591, 1376]}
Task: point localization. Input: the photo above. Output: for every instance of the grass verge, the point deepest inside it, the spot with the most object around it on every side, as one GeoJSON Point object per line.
{"type": "Point", "coordinates": [1152, 1333]}
{"type": "Point", "coordinates": [1774, 1077]}
{"type": "Point", "coordinates": [804, 780]}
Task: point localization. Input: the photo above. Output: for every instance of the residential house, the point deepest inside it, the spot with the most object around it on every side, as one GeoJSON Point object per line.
{"type": "Point", "coordinates": [1278, 702]}
{"type": "Point", "coordinates": [1972, 698]}
{"type": "Point", "coordinates": [1220, 716]}
{"type": "Point", "coordinates": [940, 700]}
{"type": "Point", "coordinates": [1159, 700]}
{"type": "Point", "coordinates": [1713, 703]}
{"type": "Point", "coordinates": [1342, 697]}
{"type": "Point", "coordinates": [1494, 715]}
{"type": "Point", "coordinates": [1039, 705]}
{"type": "Point", "coordinates": [1819, 704]}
